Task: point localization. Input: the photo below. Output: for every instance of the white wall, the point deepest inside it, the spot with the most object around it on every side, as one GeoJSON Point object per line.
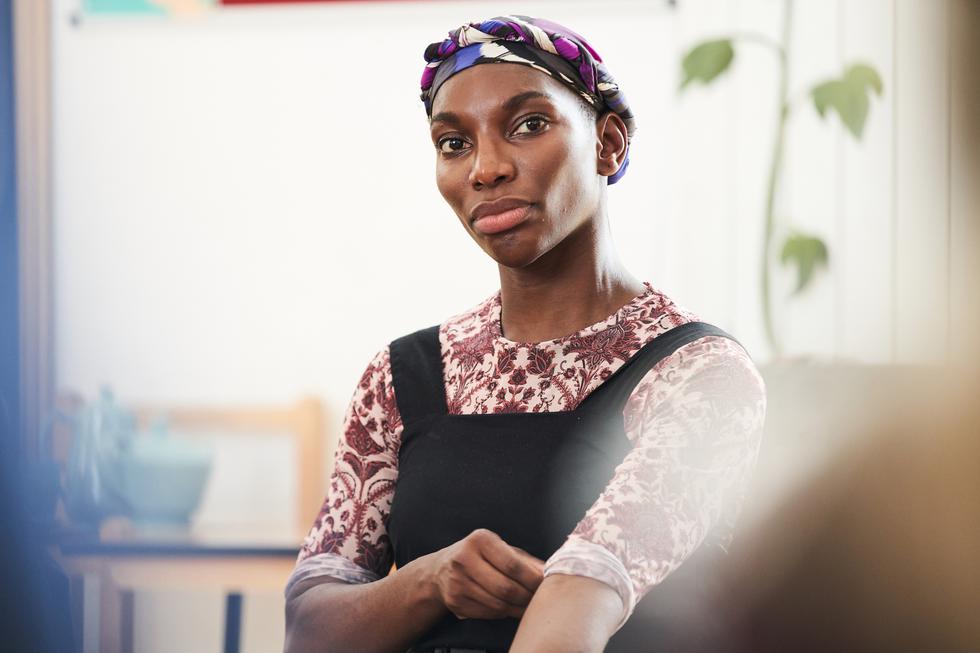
{"type": "Point", "coordinates": [245, 208]}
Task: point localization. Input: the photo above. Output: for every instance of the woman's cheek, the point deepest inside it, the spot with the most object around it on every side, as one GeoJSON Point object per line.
{"type": "Point", "coordinates": [447, 183]}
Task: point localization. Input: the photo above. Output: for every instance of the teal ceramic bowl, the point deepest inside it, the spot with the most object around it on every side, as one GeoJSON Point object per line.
{"type": "Point", "coordinates": [162, 478]}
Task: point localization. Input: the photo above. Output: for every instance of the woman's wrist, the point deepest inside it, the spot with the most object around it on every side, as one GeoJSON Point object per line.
{"type": "Point", "coordinates": [421, 575]}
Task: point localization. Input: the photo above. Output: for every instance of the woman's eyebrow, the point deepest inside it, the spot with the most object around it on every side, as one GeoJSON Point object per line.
{"type": "Point", "coordinates": [445, 116]}
{"type": "Point", "coordinates": [521, 98]}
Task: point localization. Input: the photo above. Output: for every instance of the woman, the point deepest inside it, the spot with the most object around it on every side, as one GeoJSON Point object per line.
{"type": "Point", "coordinates": [563, 446]}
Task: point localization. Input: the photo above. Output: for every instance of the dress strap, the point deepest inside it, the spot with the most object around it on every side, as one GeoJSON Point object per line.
{"type": "Point", "coordinates": [416, 370]}
{"type": "Point", "coordinates": [618, 387]}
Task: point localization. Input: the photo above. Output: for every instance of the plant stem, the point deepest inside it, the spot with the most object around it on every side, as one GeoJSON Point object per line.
{"type": "Point", "coordinates": [774, 178]}
{"type": "Point", "coordinates": [759, 39]}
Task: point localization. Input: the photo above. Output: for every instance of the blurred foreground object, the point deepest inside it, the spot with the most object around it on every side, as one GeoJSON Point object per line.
{"type": "Point", "coordinates": [878, 552]}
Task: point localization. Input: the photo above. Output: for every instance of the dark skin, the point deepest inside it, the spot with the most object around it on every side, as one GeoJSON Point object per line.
{"type": "Point", "coordinates": [558, 270]}
{"type": "Point", "coordinates": [479, 577]}
{"type": "Point", "coordinates": [503, 131]}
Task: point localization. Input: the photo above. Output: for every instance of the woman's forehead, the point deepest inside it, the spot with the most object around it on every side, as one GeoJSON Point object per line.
{"type": "Point", "coordinates": [495, 84]}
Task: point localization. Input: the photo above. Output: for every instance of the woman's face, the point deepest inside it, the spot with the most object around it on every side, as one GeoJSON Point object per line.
{"type": "Point", "coordinates": [516, 159]}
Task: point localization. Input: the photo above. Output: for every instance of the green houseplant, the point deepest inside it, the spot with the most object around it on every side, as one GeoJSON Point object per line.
{"type": "Point", "coordinates": [848, 96]}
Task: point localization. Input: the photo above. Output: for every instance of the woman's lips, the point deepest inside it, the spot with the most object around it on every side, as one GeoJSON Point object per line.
{"type": "Point", "coordinates": [498, 222]}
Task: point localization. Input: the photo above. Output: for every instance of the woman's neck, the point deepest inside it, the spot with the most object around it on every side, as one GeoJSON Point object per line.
{"type": "Point", "coordinates": [579, 282]}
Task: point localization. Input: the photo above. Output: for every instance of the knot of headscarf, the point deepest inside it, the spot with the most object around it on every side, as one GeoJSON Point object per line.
{"type": "Point", "coordinates": [541, 44]}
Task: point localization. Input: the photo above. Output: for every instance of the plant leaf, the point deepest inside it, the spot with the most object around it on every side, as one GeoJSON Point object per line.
{"type": "Point", "coordinates": [848, 96]}
{"type": "Point", "coordinates": [825, 95]}
{"type": "Point", "coordinates": [865, 76]}
{"type": "Point", "coordinates": [706, 61]}
{"type": "Point", "coordinates": [807, 253]}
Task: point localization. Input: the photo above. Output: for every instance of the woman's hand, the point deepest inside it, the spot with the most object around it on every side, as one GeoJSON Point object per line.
{"type": "Point", "coordinates": [483, 577]}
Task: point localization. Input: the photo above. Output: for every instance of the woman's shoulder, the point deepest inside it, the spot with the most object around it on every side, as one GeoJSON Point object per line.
{"type": "Point", "coordinates": [657, 313]}
{"type": "Point", "coordinates": [711, 347]}
{"type": "Point", "coordinates": [376, 375]}
{"type": "Point", "coordinates": [654, 313]}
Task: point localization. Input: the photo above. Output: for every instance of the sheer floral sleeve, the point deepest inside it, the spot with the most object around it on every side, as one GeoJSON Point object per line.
{"type": "Point", "coordinates": [348, 540]}
{"type": "Point", "coordinates": [695, 421]}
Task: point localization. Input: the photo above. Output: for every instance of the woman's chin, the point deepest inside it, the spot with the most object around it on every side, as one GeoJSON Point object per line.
{"type": "Point", "coordinates": [511, 250]}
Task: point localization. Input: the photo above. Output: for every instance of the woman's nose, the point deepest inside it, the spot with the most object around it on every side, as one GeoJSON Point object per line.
{"type": "Point", "coordinates": [491, 166]}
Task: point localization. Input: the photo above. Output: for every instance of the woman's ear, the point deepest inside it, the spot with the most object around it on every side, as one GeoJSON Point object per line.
{"type": "Point", "coordinates": [611, 142]}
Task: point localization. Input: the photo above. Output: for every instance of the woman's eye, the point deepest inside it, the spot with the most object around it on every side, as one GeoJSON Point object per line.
{"type": "Point", "coordinates": [452, 145]}
{"type": "Point", "coordinates": [530, 126]}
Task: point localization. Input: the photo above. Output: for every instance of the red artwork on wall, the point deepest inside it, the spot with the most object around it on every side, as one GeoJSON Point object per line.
{"type": "Point", "coordinates": [288, 2]}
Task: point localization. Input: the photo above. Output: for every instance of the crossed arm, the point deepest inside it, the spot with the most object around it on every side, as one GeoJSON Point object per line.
{"type": "Point", "coordinates": [480, 577]}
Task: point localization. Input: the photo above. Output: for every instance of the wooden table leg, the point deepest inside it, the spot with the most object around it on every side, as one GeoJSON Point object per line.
{"type": "Point", "coordinates": [233, 622]}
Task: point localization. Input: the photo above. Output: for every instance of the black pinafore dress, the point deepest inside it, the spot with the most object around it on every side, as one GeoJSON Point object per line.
{"type": "Point", "coordinates": [529, 477]}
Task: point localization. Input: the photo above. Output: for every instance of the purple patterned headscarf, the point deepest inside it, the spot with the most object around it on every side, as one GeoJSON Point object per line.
{"type": "Point", "coordinates": [541, 44]}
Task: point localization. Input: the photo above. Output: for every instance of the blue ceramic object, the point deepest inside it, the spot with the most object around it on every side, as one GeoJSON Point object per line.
{"type": "Point", "coordinates": [162, 477]}
{"type": "Point", "coordinates": [114, 470]}
{"type": "Point", "coordinates": [100, 432]}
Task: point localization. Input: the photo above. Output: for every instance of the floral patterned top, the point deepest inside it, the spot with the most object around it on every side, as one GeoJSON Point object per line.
{"type": "Point", "coordinates": [694, 420]}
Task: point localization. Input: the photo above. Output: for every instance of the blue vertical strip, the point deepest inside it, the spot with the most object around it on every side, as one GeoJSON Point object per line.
{"type": "Point", "coordinates": [34, 593]}
{"type": "Point", "coordinates": [233, 623]}
{"type": "Point", "coordinates": [16, 617]}
{"type": "Point", "coordinates": [17, 621]}
{"type": "Point", "coordinates": [9, 310]}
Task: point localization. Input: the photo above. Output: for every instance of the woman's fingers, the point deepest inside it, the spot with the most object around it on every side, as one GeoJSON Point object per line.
{"type": "Point", "coordinates": [483, 577]}
{"type": "Point", "coordinates": [493, 604]}
{"type": "Point", "coordinates": [513, 563]}
{"type": "Point", "coordinates": [537, 563]}
{"type": "Point", "coordinates": [498, 585]}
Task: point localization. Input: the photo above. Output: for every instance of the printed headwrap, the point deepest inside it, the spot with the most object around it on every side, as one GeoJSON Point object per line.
{"type": "Point", "coordinates": [541, 44]}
